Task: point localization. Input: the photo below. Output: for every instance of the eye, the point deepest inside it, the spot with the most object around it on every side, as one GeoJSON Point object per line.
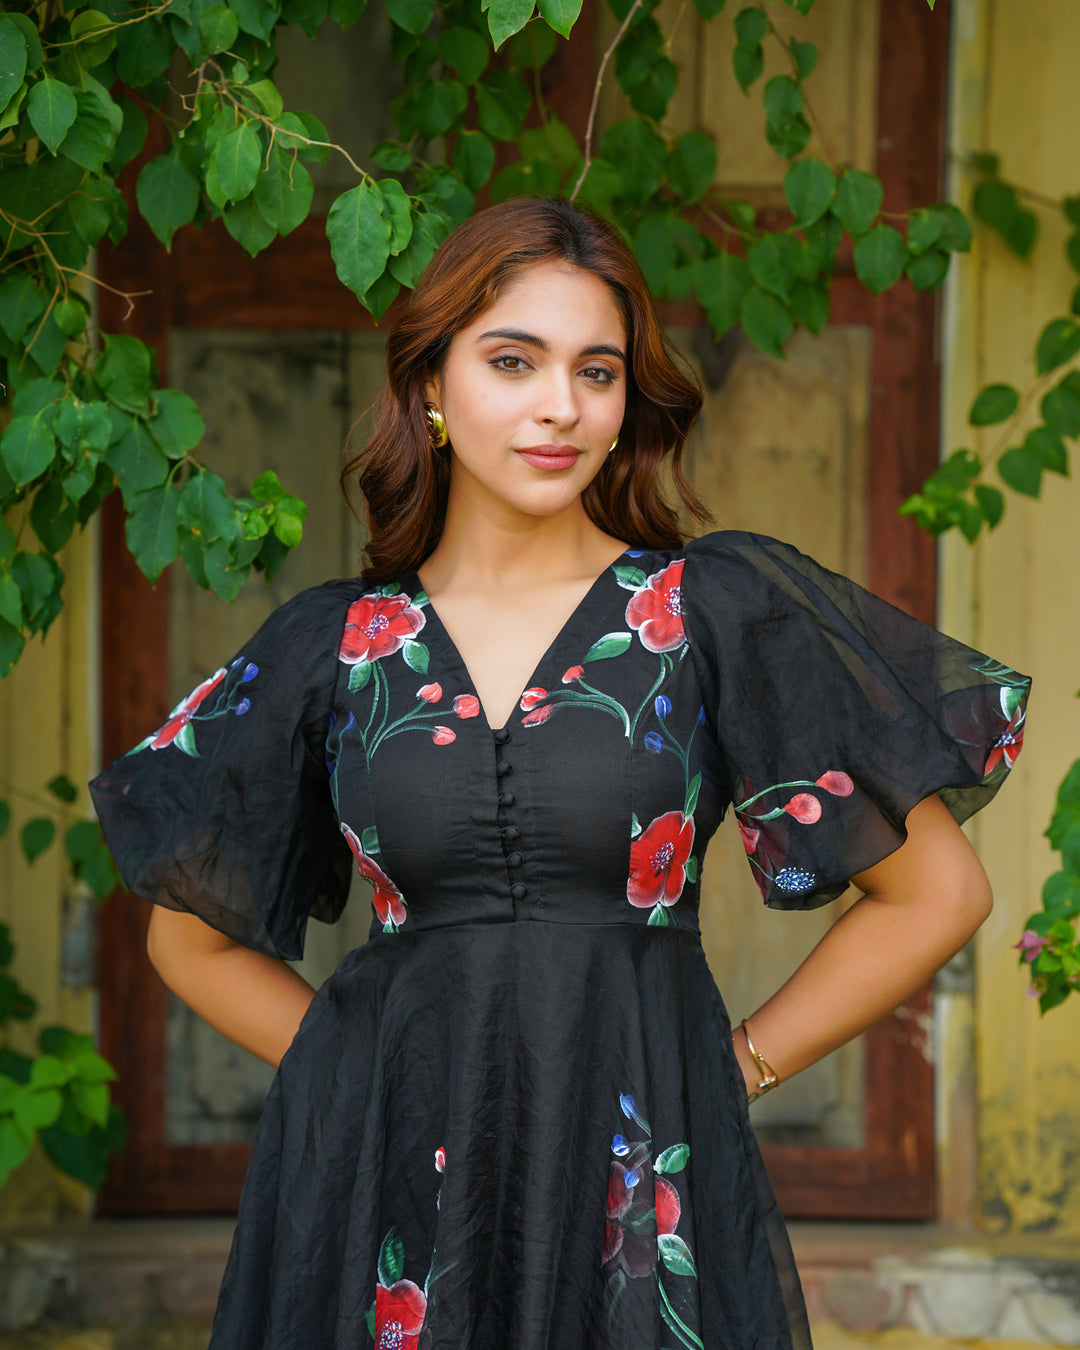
{"type": "Point", "coordinates": [600, 375]}
{"type": "Point", "coordinates": [511, 364]}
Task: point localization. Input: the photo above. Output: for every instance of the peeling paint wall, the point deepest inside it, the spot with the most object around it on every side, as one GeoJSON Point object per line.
{"type": "Point", "coordinates": [1015, 93]}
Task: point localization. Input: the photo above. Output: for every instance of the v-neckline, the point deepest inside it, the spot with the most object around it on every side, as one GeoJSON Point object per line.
{"type": "Point", "coordinates": [530, 682]}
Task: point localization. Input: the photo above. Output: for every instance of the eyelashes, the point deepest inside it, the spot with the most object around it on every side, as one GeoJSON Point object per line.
{"type": "Point", "coordinates": [597, 375]}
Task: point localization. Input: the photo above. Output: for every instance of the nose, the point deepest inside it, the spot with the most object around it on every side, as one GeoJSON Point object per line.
{"type": "Point", "coordinates": [557, 403]}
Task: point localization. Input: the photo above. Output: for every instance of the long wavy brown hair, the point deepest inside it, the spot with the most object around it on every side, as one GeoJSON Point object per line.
{"type": "Point", "coordinates": [405, 480]}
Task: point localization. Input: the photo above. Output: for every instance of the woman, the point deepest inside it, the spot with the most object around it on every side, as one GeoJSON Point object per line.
{"type": "Point", "coordinates": [517, 1117]}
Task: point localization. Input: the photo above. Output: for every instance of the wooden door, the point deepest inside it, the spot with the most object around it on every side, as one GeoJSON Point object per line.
{"type": "Point", "coordinates": [212, 310]}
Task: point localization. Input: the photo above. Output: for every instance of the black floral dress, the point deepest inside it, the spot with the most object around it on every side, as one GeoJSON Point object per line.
{"type": "Point", "coordinates": [513, 1119]}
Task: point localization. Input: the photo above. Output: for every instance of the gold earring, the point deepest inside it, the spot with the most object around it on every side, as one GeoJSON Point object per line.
{"type": "Point", "coordinates": [613, 444]}
{"type": "Point", "coordinates": [436, 425]}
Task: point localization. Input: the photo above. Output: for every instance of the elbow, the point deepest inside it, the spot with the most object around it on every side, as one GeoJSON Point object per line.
{"type": "Point", "coordinates": [971, 899]}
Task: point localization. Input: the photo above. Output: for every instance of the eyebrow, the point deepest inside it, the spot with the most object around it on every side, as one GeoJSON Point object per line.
{"type": "Point", "coordinates": [531, 340]}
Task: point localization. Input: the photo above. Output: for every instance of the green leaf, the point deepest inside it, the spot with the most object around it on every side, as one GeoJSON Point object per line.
{"type": "Point", "coordinates": [391, 1259]}
{"type": "Point", "coordinates": [858, 200]}
{"type": "Point", "coordinates": [36, 836]}
{"type": "Point", "coordinates": [507, 17]}
{"type": "Point", "coordinates": [12, 60]}
{"type": "Point", "coordinates": [747, 64]}
{"type": "Point", "coordinates": [927, 271]}
{"type": "Point", "coordinates": [879, 258]}
{"type": "Point", "coordinates": [691, 165]}
{"type": "Point", "coordinates": [991, 503]}
{"type": "Point", "coordinates": [124, 372]}
{"type": "Point", "coordinates": [168, 195]}
{"type": "Point", "coordinates": [955, 228]}
{"type": "Point", "coordinates": [291, 126]}
{"type": "Point", "coordinates": [380, 295]}
{"type": "Point", "coordinates": [656, 252]}
{"type": "Point", "coordinates": [151, 529]}
{"type": "Point", "coordinates": [256, 17]}
{"type": "Point", "coordinates": [809, 186]}
{"type": "Point", "coordinates": [248, 226]}
{"type": "Point", "coordinates": [11, 646]}
{"type": "Point", "coordinates": [993, 404]}
{"type": "Point", "coordinates": [1021, 468]}
{"type": "Point", "coordinates": [783, 99]}
{"type": "Point", "coordinates": [38, 578]}
{"type": "Point", "coordinates": [86, 23]}
{"type": "Point", "coordinates": [474, 158]}
{"type": "Point", "coordinates": [766, 320]}
{"type": "Point", "coordinates": [658, 917]}
{"type": "Point", "coordinates": [359, 675]}
{"type": "Point", "coordinates": [136, 460]}
{"type": "Point", "coordinates": [7, 543]}
{"type": "Point", "coordinates": [288, 528]}
{"type": "Point", "coordinates": [71, 315]}
{"type": "Point", "coordinates": [92, 1099]}
{"type": "Point", "coordinates": [1060, 407]}
{"type": "Point", "coordinates": [62, 788]}
{"type": "Point", "coordinates": [283, 192]}
{"type": "Point", "coordinates": [629, 578]}
{"type": "Point", "coordinates": [206, 509]}
{"type": "Point", "coordinates": [561, 15]}
{"type": "Point", "coordinates": [144, 51]}
{"type": "Point", "coordinates": [675, 1254]}
{"type": "Point", "coordinates": [1061, 895]}
{"type": "Point", "coordinates": [359, 237]}
{"type": "Point", "coordinates": [10, 606]}
{"type": "Point", "coordinates": [611, 644]}
{"type": "Point", "coordinates": [751, 25]}
{"type": "Point", "coordinates": [29, 30]}
{"type": "Point", "coordinates": [639, 154]}
{"type": "Point", "coordinates": [810, 304]}
{"type": "Point", "coordinates": [27, 448]}
{"type": "Point", "coordinates": [773, 261]}
{"type": "Point", "coordinates": [417, 657]}
{"type": "Point", "coordinates": [673, 1159]}
{"type": "Point", "coordinates": [21, 304]}
{"type": "Point", "coordinates": [427, 233]}
{"type": "Point", "coordinates": [806, 57]}
{"type": "Point", "coordinates": [1050, 448]}
{"type": "Point", "coordinates": [502, 101]}
{"type": "Point", "coordinates": [466, 51]}
{"type": "Point", "coordinates": [924, 230]}
{"type": "Point", "coordinates": [51, 108]}
{"type": "Point", "coordinates": [132, 136]}
{"type": "Point", "coordinates": [224, 573]}
{"type": "Point", "coordinates": [233, 166]}
{"type": "Point", "coordinates": [93, 134]}
{"type": "Point", "coordinates": [177, 424]}
{"type": "Point", "coordinates": [413, 15]}
{"type": "Point", "coordinates": [5, 821]}
{"type": "Point", "coordinates": [1058, 342]}
{"type": "Point", "coordinates": [692, 795]}
{"type": "Point", "coordinates": [397, 209]}
{"type": "Point", "coordinates": [91, 1067]}
{"type": "Point", "coordinates": [708, 9]}
{"type": "Point", "coordinates": [218, 28]}
{"type": "Point", "coordinates": [722, 285]}
{"type": "Point", "coordinates": [14, 1147]}
{"type": "Point", "coordinates": [80, 425]}
{"type": "Point", "coordinates": [52, 515]}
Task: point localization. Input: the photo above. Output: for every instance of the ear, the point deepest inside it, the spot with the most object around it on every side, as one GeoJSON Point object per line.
{"type": "Point", "coordinates": [433, 390]}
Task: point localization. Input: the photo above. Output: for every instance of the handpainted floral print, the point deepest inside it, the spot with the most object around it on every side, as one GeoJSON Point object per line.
{"type": "Point", "coordinates": [1008, 745]}
{"type": "Point", "coordinates": [658, 858]}
{"type": "Point", "coordinates": [397, 1316]}
{"type": "Point", "coordinates": [643, 1211]}
{"type": "Point", "coordinates": [379, 625]}
{"type": "Point", "coordinates": [178, 730]}
{"type": "Point", "coordinates": [388, 902]}
{"type": "Point", "coordinates": [655, 611]}
{"type": "Point", "coordinates": [766, 842]}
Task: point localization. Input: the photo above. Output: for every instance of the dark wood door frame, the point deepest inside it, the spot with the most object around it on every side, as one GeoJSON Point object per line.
{"type": "Point", "coordinates": [207, 283]}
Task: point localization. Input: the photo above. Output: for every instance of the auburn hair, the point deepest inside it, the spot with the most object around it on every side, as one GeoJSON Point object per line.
{"type": "Point", "coordinates": [405, 480]}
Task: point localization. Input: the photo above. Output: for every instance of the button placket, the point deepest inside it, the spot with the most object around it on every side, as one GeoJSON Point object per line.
{"type": "Point", "coordinates": [509, 832]}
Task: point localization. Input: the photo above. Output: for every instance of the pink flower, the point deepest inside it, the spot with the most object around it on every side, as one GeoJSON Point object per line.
{"type": "Point", "coordinates": [430, 693]}
{"type": "Point", "coordinates": [1030, 944]}
{"type": "Point", "coordinates": [387, 898]}
{"type": "Point", "coordinates": [804, 808]}
{"type": "Point", "coordinates": [531, 697]}
{"type": "Point", "coordinates": [378, 625]}
{"type": "Point", "coordinates": [399, 1315]}
{"type": "Point", "coordinates": [184, 711]}
{"type": "Point", "coordinates": [440, 1160]}
{"type": "Point", "coordinates": [443, 735]}
{"type": "Point", "coordinates": [658, 858]}
{"type": "Point", "coordinates": [574, 673]}
{"type": "Point", "coordinates": [467, 705]}
{"type": "Point", "coordinates": [749, 836]}
{"type": "Point", "coordinates": [537, 716]}
{"type": "Point", "coordinates": [655, 611]}
{"type": "Point", "coordinates": [839, 784]}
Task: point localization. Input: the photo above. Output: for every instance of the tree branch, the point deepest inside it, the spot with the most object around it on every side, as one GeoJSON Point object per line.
{"type": "Point", "coordinates": [596, 96]}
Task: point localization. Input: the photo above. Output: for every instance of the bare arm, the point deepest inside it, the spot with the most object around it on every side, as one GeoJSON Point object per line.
{"type": "Point", "coordinates": [255, 1000]}
{"type": "Point", "coordinates": [921, 904]}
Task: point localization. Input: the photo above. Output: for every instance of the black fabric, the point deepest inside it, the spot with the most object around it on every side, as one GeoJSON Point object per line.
{"type": "Point", "coordinates": [513, 1119]}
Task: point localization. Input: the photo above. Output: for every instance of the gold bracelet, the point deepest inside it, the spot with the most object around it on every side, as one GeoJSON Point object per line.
{"type": "Point", "coordinates": [769, 1080]}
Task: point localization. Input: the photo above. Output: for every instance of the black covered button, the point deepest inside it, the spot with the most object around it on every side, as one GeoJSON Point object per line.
{"type": "Point", "coordinates": [519, 890]}
{"type": "Point", "coordinates": [503, 768]}
{"type": "Point", "coordinates": [502, 736]}
{"type": "Point", "coordinates": [515, 859]}
{"type": "Point", "coordinates": [506, 799]}
{"type": "Point", "coordinates": [510, 832]}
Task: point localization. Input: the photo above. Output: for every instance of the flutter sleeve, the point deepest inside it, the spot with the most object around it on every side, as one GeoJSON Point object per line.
{"type": "Point", "coordinates": [225, 811]}
{"type": "Point", "coordinates": [835, 713]}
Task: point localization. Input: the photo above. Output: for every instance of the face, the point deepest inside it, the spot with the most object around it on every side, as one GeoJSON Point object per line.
{"type": "Point", "coordinates": [533, 393]}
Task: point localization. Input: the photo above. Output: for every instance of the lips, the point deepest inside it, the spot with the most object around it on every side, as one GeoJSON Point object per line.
{"type": "Point", "coordinates": [550, 457]}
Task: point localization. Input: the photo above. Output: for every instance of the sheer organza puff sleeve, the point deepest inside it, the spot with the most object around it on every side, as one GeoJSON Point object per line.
{"type": "Point", "coordinates": [835, 713]}
{"type": "Point", "coordinates": [225, 811]}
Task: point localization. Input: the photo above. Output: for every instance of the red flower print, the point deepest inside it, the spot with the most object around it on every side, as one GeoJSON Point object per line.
{"type": "Point", "coordinates": [655, 611]}
{"type": "Point", "coordinates": [467, 705]}
{"type": "Point", "coordinates": [839, 784]}
{"type": "Point", "coordinates": [538, 715]}
{"type": "Point", "coordinates": [658, 860]}
{"type": "Point", "coordinates": [531, 697]}
{"type": "Point", "coordinates": [430, 693]}
{"type": "Point", "coordinates": [440, 1160]}
{"type": "Point", "coordinates": [804, 807]}
{"type": "Point", "coordinates": [399, 1315]}
{"type": "Point", "coordinates": [443, 736]}
{"type": "Point", "coordinates": [184, 711]}
{"type": "Point", "coordinates": [749, 837]}
{"type": "Point", "coordinates": [625, 1235]}
{"type": "Point", "coordinates": [574, 673]}
{"type": "Point", "coordinates": [668, 1206]}
{"type": "Point", "coordinates": [1008, 745]}
{"type": "Point", "coordinates": [387, 898]}
{"type": "Point", "coordinates": [377, 625]}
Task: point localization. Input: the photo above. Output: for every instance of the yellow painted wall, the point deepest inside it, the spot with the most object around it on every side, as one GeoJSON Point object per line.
{"type": "Point", "coordinates": [1015, 93]}
{"type": "Point", "coordinates": [48, 721]}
